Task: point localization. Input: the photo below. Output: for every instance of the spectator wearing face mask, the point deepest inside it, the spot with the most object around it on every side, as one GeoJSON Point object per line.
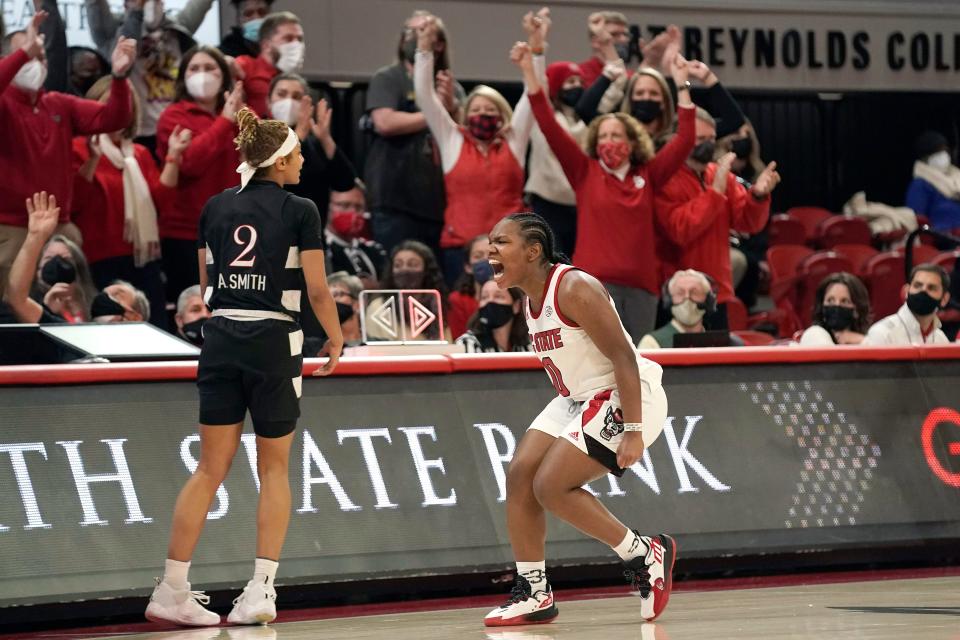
{"type": "Point", "coordinates": [841, 312]}
{"type": "Point", "coordinates": [39, 127]}
{"type": "Point", "coordinates": [916, 322]}
{"type": "Point", "coordinates": [350, 248]}
{"type": "Point", "coordinates": [464, 298]}
{"type": "Point", "coordinates": [702, 202]}
{"type": "Point", "coordinates": [615, 179]}
{"type": "Point", "coordinates": [482, 160]}
{"type": "Point", "coordinates": [281, 51]}
{"type": "Point", "coordinates": [86, 66]}
{"type": "Point", "coordinates": [402, 172]}
{"type": "Point", "coordinates": [243, 39]}
{"type": "Point", "coordinates": [498, 326]}
{"type": "Point", "coordinates": [325, 166]}
{"type": "Point", "coordinates": [53, 267]}
{"type": "Point", "coordinates": [192, 312]}
{"type": "Point", "coordinates": [935, 189]}
{"type": "Point", "coordinates": [120, 302]}
{"type": "Point", "coordinates": [162, 41]}
{"type": "Point", "coordinates": [346, 290]}
{"type": "Point", "coordinates": [689, 291]}
{"type": "Point", "coordinates": [616, 31]}
{"type": "Point", "coordinates": [119, 191]}
{"type": "Point", "coordinates": [207, 105]}
{"type": "Point", "coordinates": [412, 265]}
{"type": "Point", "coordinates": [744, 143]}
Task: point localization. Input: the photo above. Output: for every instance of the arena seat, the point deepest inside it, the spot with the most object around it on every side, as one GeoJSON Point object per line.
{"type": "Point", "coordinates": [947, 259]}
{"type": "Point", "coordinates": [842, 230]}
{"type": "Point", "coordinates": [884, 278]}
{"type": "Point", "coordinates": [785, 230]}
{"type": "Point", "coordinates": [810, 218]}
{"type": "Point", "coordinates": [858, 255]}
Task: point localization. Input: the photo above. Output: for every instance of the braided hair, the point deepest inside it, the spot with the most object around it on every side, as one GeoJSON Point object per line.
{"type": "Point", "coordinates": [534, 229]}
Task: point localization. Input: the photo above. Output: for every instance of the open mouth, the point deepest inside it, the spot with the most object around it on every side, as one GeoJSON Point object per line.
{"type": "Point", "coordinates": [497, 270]}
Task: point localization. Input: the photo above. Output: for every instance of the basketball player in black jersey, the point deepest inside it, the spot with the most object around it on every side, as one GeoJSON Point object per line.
{"type": "Point", "coordinates": [257, 244]}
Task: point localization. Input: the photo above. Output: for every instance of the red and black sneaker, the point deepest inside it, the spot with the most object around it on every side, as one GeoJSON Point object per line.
{"type": "Point", "coordinates": [524, 607]}
{"type": "Point", "coordinates": [652, 575]}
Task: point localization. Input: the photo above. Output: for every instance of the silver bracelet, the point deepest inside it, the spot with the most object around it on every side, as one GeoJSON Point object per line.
{"type": "Point", "coordinates": [633, 426]}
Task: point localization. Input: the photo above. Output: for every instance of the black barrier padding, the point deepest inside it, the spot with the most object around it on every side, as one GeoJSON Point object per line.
{"type": "Point", "coordinates": [404, 475]}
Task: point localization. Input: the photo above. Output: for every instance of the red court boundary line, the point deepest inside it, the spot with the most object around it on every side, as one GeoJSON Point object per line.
{"type": "Point", "coordinates": [469, 602]}
{"type": "Point", "coordinates": [461, 363]}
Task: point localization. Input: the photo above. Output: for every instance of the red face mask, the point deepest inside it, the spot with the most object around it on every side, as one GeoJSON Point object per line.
{"type": "Point", "coordinates": [483, 126]}
{"type": "Point", "coordinates": [349, 225]}
{"type": "Point", "coordinates": [613, 154]}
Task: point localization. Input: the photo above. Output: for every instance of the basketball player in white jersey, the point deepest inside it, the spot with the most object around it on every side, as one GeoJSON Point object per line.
{"type": "Point", "coordinates": [610, 406]}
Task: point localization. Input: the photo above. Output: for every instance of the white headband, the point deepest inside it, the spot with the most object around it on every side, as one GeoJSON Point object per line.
{"type": "Point", "coordinates": [246, 171]}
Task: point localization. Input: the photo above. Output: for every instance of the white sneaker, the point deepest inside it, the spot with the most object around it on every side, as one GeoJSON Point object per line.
{"type": "Point", "coordinates": [524, 607]}
{"type": "Point", "coordinates": [180, 606]}
{"type": "Point", "coordinates": [256, 605]}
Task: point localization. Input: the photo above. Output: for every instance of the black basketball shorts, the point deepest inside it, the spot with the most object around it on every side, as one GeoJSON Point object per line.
{"type": "Point", "coordinates": [255, 365]}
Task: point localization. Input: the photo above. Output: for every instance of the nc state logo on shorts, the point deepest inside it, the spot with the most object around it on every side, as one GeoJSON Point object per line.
{"type": "Point", "coordinates": [612, 424]}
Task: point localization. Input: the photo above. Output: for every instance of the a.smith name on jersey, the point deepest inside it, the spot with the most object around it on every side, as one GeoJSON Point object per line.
{"type": "Point", "coordinates": [249, 281]}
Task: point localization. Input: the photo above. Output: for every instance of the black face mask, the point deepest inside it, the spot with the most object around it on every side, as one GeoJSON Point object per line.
{"type": "Point", "coordinates": [58, 269]}
{"type": "Point", "coordinates": [571, 96]}
{"type": "Point", "coordinates": [704, 151]}
{"type": "Point", "coordinates": [344, 312]}
{"type": "Point", "coordinates": [410, 50]}
{"type": "Point", "coordinates": [408, 279]}
{"type": "Point", "coordinates": [494, 315]}
{"type": "Point", "coordinates": [104, 305]}
{"type": "Point", "coordinates": [922, 303]}
{"type": "Point", "coordinates": [742, 147]}
{"type": "Point", "coordinates": [623, 50]}
{"type": "Point", "coordinates": [646, 111]}
{"type": "Point", "coordinates": [837, 318]}
{"type": "Point", "coordinates": [193, 331]}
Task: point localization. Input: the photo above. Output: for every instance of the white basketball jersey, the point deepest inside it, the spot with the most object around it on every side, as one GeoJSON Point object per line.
{"type": "Point", "coordinates": [577, 368]}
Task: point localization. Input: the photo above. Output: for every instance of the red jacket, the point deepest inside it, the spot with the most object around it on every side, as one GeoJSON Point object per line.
{"type": "Point", "coordinates": [590, 70]}
{"type": "Point", "coordinates": [481, 189]}
{"type": "Point", "coordinates": [256, 84]}
{"type": "Point", "coordinates": [698, 220]}
{"type": "Point", "coordinates": [208, 167]}
{"type": "Point", "coordinates": [98, 205]}
{"type": "Point", "coordinates": [616, 240]}
{"type": "Point", "coordinates": [35, 151]}
{"type": "Point", "coordinates": [460, 307]}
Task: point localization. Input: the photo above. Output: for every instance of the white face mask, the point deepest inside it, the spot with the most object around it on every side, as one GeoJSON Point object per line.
{"type": "Point", "coordinates": [31, 76]}
{"type": "Point", "coordinates": [152, 14]}
{"type": "Point", "coordinates": [286, 110]}
{"type": "Point", "coordinates": [202, 85]}
{"type": "Point", "coordinates": [291, 56]}
{"type": "Point", "coordinates": [687, 313]}
{"type": "Point", "coordinates": [940, 160]}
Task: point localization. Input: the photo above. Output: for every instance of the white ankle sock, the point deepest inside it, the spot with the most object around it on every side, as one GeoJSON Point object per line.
{"type": "Point", "coordinates": [175, 574]}
{"type": "Point", "coordinates": [535, 573]}
{"type": "Point", "coordinates": [632, 546]}
{"type": "Point", "coordinates": [265, 570]}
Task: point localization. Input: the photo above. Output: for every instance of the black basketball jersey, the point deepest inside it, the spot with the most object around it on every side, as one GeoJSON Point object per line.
{"type": "Point", "coordinates": [253, 241]}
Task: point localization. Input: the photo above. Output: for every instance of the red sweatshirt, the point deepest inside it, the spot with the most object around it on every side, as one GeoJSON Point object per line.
{"type": "Point", "coordinates": [35, 152]}
{"type": "Point", "coordinates": [698, 221]}
{"type": "Point", "coordinates": [256, 84]}
{"type": "Point", "coordinates": [616, 241]}
{"type": "Point", "coordinates": [590, 70]}
{"type": "Point", "coordinates": [208, 167]}
{"type": "Point", "coordinates": [98, 205]}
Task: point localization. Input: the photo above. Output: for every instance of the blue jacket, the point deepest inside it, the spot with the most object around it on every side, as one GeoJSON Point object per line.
{"type": "Point", "coordinates": [924, 199]}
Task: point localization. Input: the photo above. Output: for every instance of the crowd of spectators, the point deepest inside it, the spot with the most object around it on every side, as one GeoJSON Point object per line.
{"type": "Point", "coordinates": [649, 174]}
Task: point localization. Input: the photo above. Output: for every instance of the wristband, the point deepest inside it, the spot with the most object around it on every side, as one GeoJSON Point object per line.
{"type": "Point", "coordinates": [633, 426]}
{"type": "Point", "coordinates": [538, 51]}
{"type": "Point", "coordinates": [172, 159]}
{"type": "Point", "coordinates": [684, 87]}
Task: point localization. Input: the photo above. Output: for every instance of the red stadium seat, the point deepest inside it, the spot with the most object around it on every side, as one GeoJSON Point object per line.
{"type": "Point", "coordinates": [947, 259]}
{"type": "Point", "coordinates": [810, 218]}
{"type": "Point", "coordinates": [784, 261]}
{"type": "Point", "coordinates": [923, 253]}
{"type": "Point", "coordinates": [736, 315]}
{"type": "Point", "coordinates": [785, 230]}
{"type": "Point", "coordinates": [754, 338]}
{"type": "Point", "coordinates": [813, 270]}
{"type": "Point", "coordinates": [858, 255]}
{"type": "Point", "coordinates": [842, 230]}
{"type": "Point", "coordinates": [884, 279]}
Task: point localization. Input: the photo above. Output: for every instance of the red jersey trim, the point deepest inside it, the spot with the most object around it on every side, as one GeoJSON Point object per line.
{"type": "Point", "coordinates": [556, 301]}
{"type": "Point", "coordinates": [546, 287]}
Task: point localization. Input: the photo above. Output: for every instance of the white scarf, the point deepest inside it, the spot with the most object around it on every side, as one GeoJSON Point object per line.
{"type": "Point", "coordinates": [947, 183]}
{"type": "Point", "coordinates": [247, 171]}
{"type": "Point", "coordinates": [139, 212]}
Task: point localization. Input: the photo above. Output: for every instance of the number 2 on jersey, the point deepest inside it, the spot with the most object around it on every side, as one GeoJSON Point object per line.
{"type": "Point", "coordinates": [555, 377]}
{"type": "Point", "coordinates": [240, 261]}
